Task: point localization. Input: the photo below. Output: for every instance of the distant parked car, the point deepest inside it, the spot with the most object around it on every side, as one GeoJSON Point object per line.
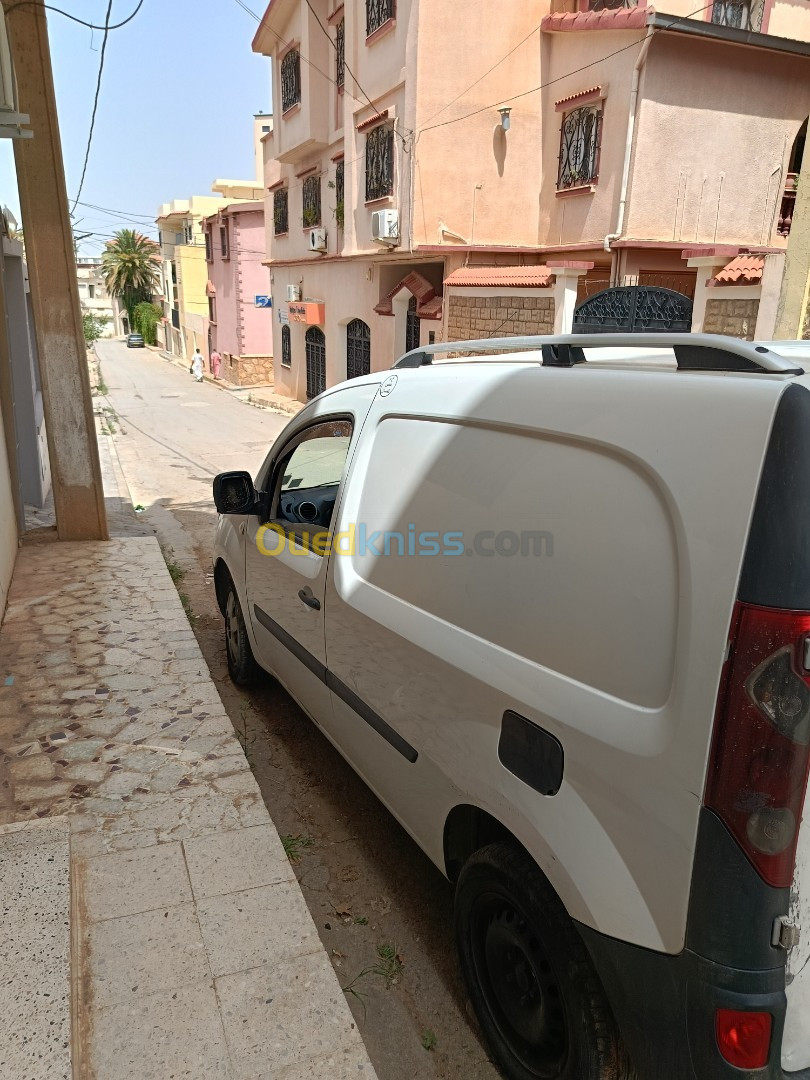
{"type": "Point", "coordinates": [134, 341]}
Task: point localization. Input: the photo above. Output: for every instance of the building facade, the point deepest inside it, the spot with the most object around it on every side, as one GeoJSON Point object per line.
{"type": "Point", "coordinates": [95, 299]}
{"type": "Point", "coordinates": [239, 315]}
{"type": "Point", "coordinates": [581, 145]}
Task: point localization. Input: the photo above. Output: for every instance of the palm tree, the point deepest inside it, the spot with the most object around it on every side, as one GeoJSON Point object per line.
{"type": "Point", "coordinates": [129, 267]}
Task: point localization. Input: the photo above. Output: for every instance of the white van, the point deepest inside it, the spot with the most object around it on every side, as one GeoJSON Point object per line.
{"type": "Point", "coordinates": [555, 610]}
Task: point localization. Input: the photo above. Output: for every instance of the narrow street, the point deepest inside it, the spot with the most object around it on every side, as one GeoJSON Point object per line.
{"type": "Point", "coordinates": [382, 909]}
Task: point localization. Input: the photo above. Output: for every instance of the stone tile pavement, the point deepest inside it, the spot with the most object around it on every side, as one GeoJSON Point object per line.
{"type": "Point", "coordinates": [123, 788]}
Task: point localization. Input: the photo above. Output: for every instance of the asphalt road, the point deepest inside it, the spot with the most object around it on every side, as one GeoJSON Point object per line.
{"type": "Point", "coordinates": [382, 909]}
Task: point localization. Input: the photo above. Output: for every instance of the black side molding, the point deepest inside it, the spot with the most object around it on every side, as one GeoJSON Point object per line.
{"type": "Point", "coordinates": [337, 686]}
{"type": "Point", "coordinates": [531, 753]}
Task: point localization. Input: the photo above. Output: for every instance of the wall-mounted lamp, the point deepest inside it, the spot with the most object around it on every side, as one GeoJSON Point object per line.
{"type": "Point", "coordinates": [505, 117]}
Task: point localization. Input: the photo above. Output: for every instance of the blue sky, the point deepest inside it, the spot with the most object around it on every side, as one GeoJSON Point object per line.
{"type": "Point", "coordinates": [178, 94]}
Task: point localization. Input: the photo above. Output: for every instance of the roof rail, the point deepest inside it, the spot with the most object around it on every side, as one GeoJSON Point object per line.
{"type": "Point", "coordinates": [693, 352]}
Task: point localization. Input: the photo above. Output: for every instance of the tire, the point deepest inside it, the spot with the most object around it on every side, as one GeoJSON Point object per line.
{"type": "Point", "coordinates": [242, 666]}
{"type": "Point", "coordinates": [536, 994]}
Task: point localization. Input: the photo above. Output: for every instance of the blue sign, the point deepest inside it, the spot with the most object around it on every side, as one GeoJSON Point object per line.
{"type": "Point", "coordinates": [263, 301]}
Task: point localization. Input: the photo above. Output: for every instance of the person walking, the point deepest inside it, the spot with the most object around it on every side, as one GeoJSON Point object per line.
{"type": "Point", "coordinates": [197, 366]}
{"type": "Point", "coordinates": [216, 363]}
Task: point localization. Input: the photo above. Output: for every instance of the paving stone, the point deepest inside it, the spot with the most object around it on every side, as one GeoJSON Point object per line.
{"type": "Point", "coordinates": [169, 1034]}
{"type": "Point", "coordinates": [145, 953]}
{"type": "Point", "coordinates": [234, 861]}
{"type": "Point", "coordinates": [281, 1014]}
{"type": "Point", "coordinates": [131, 882]}
{"type": "Point", "coordinates": [244, 929]}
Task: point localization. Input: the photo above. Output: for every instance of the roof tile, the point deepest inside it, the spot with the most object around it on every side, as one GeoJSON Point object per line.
{"type": "Point", "coordinates": [742, 270]}
{"type": "Point", "coordinates": [516, 277]}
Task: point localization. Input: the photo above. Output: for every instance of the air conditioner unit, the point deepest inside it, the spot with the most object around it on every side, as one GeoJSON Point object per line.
{"type": "Point", "coordinates": [293, 294]}
{"type": "Point", "coordinates": [10, 118]}
{"type": "Point", "coordinates": [385, 227]}
{"type": "Point", "coordinates": [317, 239]}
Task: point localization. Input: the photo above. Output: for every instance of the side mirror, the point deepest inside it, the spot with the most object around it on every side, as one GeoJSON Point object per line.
{"type": "Point", "coordinates": [234, 493]}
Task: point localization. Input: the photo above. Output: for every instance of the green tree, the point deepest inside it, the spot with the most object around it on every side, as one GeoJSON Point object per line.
{"type": "Point", "coordinates": [129, 267]}
{"type": "Point", "coordinates": [145, 319]}
{"type": "Point", "coordinates": [93, 327]}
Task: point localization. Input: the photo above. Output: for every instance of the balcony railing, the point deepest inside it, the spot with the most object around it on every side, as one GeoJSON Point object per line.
{"type": "Point", "coordinates": [560, 7]}
{"type": "Point", "coordinates": [785, 219]}
{"type": "Point", "coordinates": [739, 14]}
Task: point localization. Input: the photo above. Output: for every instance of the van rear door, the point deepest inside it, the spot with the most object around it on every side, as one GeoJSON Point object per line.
{"type": "Point", "coordinates": [796, 1040]}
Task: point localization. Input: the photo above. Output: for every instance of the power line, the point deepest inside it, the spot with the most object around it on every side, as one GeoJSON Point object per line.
{"type": "Point", "coordinates": [95, 100]}
{"type": "Point", "coordinates": [74, 18]}
{"type": "Point", "coordinates": [559, 78]}
{"type": "Point", "coordinates": [117, 213]}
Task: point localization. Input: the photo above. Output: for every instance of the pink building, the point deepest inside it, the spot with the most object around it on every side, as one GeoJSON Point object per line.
{"type": "Point", "coordinates": [239, 320]}
{"type": "Point", "coordinates": [431, 177]}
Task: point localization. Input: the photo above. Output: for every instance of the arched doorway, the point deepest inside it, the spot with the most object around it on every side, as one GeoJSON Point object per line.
{"type": "Point", "coordinates": [639, 309]}
{"type": "Point", "coordinates": [358, 349]}
{"type": "Point", "coordinates": [316, 361]}
{"type": "Point", "coordinates": [413, 326]}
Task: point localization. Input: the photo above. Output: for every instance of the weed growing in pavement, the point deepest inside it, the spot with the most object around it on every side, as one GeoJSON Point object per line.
{"type": "Point", "coordinates": [246, 740]}
{"type": "Point", "coordinates": [388, 967]}
{"type": "Point", "coordinates": [177, 574]}
{"type": "Point", "coordinates": [429, 1039]}
{"type": "Point", "coordinates": [294, 845]}
{"type": "Point", "coordinates": [361, 920]}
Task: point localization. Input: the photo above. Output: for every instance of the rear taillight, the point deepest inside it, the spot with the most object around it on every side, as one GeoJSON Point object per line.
{"type": "Point", "coordinates": [761, 748]}
{"type": "Point", "coordinates": [744, 1038]}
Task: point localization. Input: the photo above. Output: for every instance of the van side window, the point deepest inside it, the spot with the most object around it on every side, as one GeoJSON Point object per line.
{"type": "Point", "coordinates": [307, 477]}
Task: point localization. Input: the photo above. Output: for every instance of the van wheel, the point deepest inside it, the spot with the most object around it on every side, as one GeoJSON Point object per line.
{"type": "Point", "coordinates": [242, 667]}
{"type": "Point", "coordinates": [532, 984]}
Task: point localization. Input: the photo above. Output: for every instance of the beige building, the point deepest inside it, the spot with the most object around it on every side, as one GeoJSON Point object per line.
{"type": "Point", "coordinates": [95, 299]}
{"type": "Point", "coordinates": [575, 145]}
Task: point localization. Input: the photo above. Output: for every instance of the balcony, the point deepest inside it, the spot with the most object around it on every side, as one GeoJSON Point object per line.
{"type": "Point", "coordinates": [785, 219]}
{"type": "Point", "coordinates": [559, 7]}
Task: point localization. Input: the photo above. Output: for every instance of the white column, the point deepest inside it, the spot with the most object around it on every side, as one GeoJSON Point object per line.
{"type": "Point", "coordinates": [566, 281]}
{"type": "Point", "coordinates": [707, 266]}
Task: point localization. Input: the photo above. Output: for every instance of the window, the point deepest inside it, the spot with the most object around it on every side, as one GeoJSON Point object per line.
{"type": "Point", "coordinates": [290, 80]}
{"type": "Point", "coordinates": [413, 327]}
{"type": "Point", "coordinates": [212, 309]}
{"type": "Point", "coordinates": [280, 212]}
{"type": "Point", "coordinates": [91, 291]}
{"type": "Point", "coordinates": [307, 477]}
{"type": "Point", "coordinates": [286, 347]}
{"type": "Point", "coordinates": [741, 14]}
{"type": "Point", "coordinates": [379, 163]}
{"type": "Point", "coordinates": [265, 129]}
{"type": "Point", "coordinates": [358, 349]}
{"type": "Point", "coordinates": [223, 241]}
{"type": "Point", "coordinates": [340, 53]}
{"type": "Point", "coordinates": [312, 201]}
{"type": "Point", "coordinates": [579, 147]}
{"type": "Point", "coordinates": [378, 12]}
{"type": "Point", "coordinates": [339, 194]}
{"type": "Point", "coordinates": [315, 343]}
{"type": "Point", "coordinates": [188, 232]}
{"type": "Point", "coordinates": [209, 254]}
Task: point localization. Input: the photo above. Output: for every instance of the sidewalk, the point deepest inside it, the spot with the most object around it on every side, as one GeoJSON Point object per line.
{"type": "Point", "coordinates": [262, 397]}
{"type": "Point", "coordinates": [151, 923]}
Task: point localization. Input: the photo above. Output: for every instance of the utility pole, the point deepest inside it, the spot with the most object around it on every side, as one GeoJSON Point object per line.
{"type": "Point", "coordinates": [69, 421]}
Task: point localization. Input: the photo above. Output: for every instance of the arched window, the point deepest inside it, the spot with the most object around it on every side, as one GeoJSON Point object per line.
{"type": "Point", "coordinates": [286, 347]}
{"type": "Point", "coordinates": [316, 361]}
{"type": "Point", "coordinates": [358, 349]}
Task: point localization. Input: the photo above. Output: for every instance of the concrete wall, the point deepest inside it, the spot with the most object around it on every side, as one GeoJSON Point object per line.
{"type": "Point", "coordinates": [713, 138]}
{"type": "Point", "coordinates": [8, 526]}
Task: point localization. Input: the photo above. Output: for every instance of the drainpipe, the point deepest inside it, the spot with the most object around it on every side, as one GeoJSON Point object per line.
{"type": "Point", "coordinates": [631, 127]}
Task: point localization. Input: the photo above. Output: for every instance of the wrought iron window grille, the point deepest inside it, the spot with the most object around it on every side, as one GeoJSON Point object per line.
{"type": "Point", "coordinates": [611, 5]}
{"type": "Point", "coordinates": [315, 348]}
{"type": "Point", "coordinates": [413, 327]}
{"type": "Point", "coordinates": [379, 162]}
{"type": "Point", "coordinates": [290, 80]}
{"type": "Point", "coordinates": [579, 147]}
{"type": "Point", "coordinates": [378, 12]}
{"type": "Point", "coordinates": [358, 349]}
{"type": "Point", "coordinates": [280, 205]}
{"type": "Point", "coordinates": [340, 53]}
{"type": "Point", "coordinates": [312, 201]}
{"type": "Point", "coordinates": [740, 14]}
{"type": "Point", "coordinates": [286, 347]}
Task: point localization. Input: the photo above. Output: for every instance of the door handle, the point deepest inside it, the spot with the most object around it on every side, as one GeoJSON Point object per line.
{"type": "Point", "coordinates": [308, 598]}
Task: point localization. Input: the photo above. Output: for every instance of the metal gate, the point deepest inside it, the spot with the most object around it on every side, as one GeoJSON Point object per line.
{"type": "Point", "coordinates": [315, 344]}
{"type": "Point", "coordinates": [639, 309]}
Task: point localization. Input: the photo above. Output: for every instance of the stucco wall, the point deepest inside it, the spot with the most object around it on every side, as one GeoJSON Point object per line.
{"type": "Point", "coordinates": [737, 318]}
{"type": "Point", "coordinates": [713, 137]}
{"type": "Point", "coordinates": [783, 18]}
{"type": "Point", "coordinates": [498, 316]}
